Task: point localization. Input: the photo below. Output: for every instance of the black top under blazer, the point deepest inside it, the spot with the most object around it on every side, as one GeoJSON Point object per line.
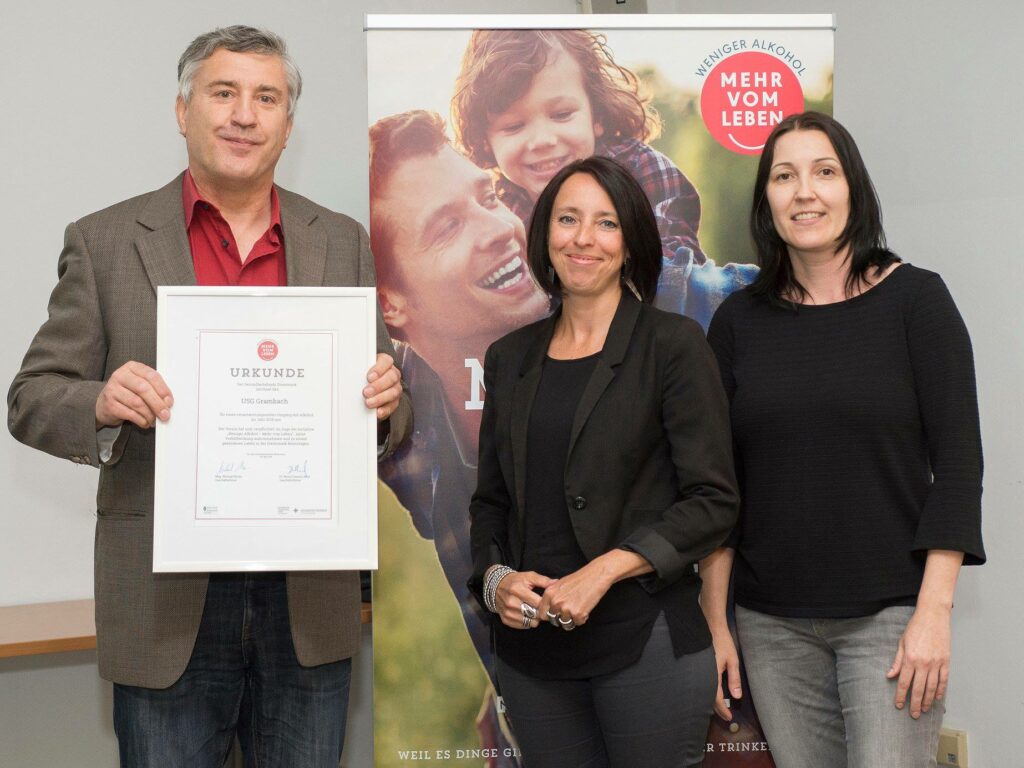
{"type": "Point", "coordinates": [650, 464]}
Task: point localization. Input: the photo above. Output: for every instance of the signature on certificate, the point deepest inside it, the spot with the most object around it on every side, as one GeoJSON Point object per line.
{"type": "Point", "coordinates": [298, 470]}
{"type": "Point", "coordinates": [231, 468]}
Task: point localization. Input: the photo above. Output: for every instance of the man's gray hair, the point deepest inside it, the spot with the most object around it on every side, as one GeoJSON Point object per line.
{"type": "Point", "coordinates": [238, 39]}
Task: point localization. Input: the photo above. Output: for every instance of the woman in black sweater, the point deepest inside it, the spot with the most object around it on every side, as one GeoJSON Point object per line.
{"type": "Point", "coordinates": [855, 427]}
{"type": "Point", "coordinates": [605, 473]}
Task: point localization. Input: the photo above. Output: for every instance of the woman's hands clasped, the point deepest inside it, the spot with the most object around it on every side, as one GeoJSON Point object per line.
{"type": "Point", "coordinates": [566, 602]}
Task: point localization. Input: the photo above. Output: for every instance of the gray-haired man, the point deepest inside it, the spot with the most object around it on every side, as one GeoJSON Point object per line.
{"type": "Point", "coordinates": [197, 657]}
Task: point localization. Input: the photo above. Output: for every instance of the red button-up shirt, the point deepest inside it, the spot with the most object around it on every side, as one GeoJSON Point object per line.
{"type": "Point", "coordinates": [215, 252]}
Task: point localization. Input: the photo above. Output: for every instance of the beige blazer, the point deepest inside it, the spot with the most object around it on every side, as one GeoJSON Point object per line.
{"type": "Point", "coordinates": [102, 314]}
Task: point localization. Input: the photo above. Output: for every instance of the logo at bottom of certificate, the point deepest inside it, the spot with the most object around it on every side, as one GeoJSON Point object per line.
{"type": "Point", "coordinates": [301, 511]}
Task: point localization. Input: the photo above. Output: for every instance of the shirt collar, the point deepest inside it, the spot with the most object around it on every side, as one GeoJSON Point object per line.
{"type": "Point", "coordinates": [191, 197]}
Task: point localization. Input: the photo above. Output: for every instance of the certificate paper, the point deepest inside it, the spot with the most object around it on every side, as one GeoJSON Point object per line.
{"type": "Point", "coordinates": [264, 425]}
{"type": "Point", "coordinates": [269, 459]}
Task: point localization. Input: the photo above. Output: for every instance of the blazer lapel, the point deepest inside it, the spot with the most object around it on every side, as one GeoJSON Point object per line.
{"type": "Point", "coordinates": [167, 256]}
{"type": "Point", "coordinates": [305, 245]}
{"type": "Point", "coordinates": [163, 246]}
{"type": "Point", "coordinates": [612, 354]}
{"type": "Point", "coordinates": [522, 403]}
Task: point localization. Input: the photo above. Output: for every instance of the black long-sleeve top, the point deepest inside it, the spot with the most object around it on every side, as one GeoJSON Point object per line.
{"type": "Point", "coordinates": [857, 445]}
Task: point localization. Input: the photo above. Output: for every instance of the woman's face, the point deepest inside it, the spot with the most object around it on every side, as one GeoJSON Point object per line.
{"type": "Point", "coordinates": [585, 242]}
{"type": "Point", "coordinates": [808, 194]}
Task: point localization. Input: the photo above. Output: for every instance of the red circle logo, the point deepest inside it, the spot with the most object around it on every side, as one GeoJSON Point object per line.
{"type": "Point", "coordinates": [267, 350]}
{"type": "Point", "coordinates": [747, 95]}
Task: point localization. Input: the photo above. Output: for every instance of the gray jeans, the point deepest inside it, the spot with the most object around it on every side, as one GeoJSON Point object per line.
{"type": "Point", "coordinates": [821, 693]}
{"type": "Point", "coordinates": [654, 713]}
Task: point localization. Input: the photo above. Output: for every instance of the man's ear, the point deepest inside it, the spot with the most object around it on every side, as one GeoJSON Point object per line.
{"type": "Point", "coordinates": [179, 114]}
{"type": "Point", "coordinates": [393, 305]}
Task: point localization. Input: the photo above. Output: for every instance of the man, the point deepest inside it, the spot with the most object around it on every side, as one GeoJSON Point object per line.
{"type": "Point", "coordinates": [453, 274]}
{"type": "Point", "coordinates": [452, 278]}
{"type": "Point", "coordinates": [195, 657]}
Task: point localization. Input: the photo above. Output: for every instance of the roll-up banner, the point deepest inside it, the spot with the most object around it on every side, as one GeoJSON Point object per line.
{"type": "Point", "coordinates": [470, 116]}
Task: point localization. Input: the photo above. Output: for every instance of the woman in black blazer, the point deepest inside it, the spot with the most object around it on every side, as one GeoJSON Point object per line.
{"type": "Point", "coordinates": [605, 474]}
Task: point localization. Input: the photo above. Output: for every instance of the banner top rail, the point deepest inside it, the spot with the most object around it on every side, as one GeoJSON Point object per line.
{"type": "Point", "coordinates": [600, 21]}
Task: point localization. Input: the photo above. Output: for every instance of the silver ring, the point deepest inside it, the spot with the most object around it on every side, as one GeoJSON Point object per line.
{"type": "Point", "coordinates": [552, 618]}
{"type": "Point", "coordinates": [569, 625]}
{"type": "Point", "coordinates": [526, 622]}
{"type": "Point", "coordinates": [528, 611]}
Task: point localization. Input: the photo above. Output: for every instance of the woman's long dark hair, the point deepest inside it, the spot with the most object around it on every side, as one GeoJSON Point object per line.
{"type": "Point", "coordinates": [863, 232]}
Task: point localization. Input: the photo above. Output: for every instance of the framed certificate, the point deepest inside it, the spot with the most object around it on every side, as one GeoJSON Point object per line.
{"type": "Point", "coordinates": [269, 459]}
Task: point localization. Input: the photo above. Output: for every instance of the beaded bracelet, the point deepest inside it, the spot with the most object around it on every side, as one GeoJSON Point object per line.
{"type": "Point", "coordinates": [492, 578]}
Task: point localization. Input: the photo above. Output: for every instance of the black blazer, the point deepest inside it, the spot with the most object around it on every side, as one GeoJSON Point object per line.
{"type": "Point", "coordinates": [650, 464]}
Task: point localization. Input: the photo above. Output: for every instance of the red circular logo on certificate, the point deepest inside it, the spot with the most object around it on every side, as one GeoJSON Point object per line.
{"type": "Point", "coordinates": [747, 95]}
{"type": "Point", "coordinates": [267, 350]}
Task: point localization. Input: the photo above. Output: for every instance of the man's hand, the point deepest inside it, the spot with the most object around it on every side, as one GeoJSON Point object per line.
{"type": "Point", "coordinates": [385, 386]}
{"type": "Point", "coordinates": [135, 393]}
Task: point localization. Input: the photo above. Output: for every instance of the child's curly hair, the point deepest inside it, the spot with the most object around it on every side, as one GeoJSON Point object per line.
{"type": "Point", "coordinates": [499, 65]}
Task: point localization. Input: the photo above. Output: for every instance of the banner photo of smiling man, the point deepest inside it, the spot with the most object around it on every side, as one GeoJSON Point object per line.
{"type": "Point", "coordinates": [466, 126]}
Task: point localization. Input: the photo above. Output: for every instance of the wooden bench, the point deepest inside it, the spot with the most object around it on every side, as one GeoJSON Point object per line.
{"type": "Point", "coordinates": [68, 625]}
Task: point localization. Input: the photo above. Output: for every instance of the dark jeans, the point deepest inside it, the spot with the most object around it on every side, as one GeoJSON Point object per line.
{"type": "Point", "coordinates": [654, 713]}
{"type": "Point", "coordinates": [243, 678]}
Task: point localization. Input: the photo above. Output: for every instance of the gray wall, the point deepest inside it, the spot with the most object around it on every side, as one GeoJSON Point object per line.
{"type": "Point", "coordinates": [88, 92]}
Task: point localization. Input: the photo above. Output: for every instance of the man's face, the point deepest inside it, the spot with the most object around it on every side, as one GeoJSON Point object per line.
{"type": "Point", "coordinates": [460, 256]}
{"type": "Point", "coordinates": [236, 122]}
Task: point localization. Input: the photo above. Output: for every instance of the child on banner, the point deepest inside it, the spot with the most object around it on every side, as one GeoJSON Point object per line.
{"type": "Point", "coordinates": [529, 102]}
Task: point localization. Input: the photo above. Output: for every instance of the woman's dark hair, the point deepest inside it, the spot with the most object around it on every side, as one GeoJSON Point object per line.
{"type": "Point", "coordinates": [863, 232]}
{"type": "Point", "coordinates": [636, 221]}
